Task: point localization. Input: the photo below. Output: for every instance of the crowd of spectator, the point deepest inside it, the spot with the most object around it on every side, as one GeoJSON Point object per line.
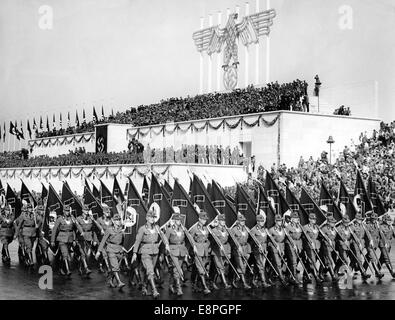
{"type": "Point", "coordinates": [342, 111]}
{"type": "Point", "coordinates": [274, 96]}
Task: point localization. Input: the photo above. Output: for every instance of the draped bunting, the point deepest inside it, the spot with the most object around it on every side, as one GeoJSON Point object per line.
{"type": "Point", "coordinates": [231, 123]}
{"type": "Point", "coordinates": [61, 140]}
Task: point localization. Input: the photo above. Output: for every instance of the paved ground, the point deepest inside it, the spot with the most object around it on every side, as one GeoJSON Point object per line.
{"type": "Point", "coordinates": [18, 283]}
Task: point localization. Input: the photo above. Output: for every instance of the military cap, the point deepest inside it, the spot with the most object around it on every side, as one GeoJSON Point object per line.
{"type": "Point", "coordinates": [85, 207]}
{"type": "Point", "coordinates": [176, 216]}
{"type": "Point", "coordinates": [203, 215]}
{"type": "Point", "coordinates": [240, 217]}
{"type": "Point", "coordinates": [331, 219]}
{"type": "Point", "coordinates": [358, 216]}
{"type": "Point", "coordinates": [260, 217]}
{"type": "Point", "coordinates": [294, 215]}
{"type": "Point", "coordinates": [221, 217]}
{"type": "Point", "coordinates": [116, 217]}
{"type": "Point", "coordinates": [66, 208]}
{"type": "Point", "coordinates": [373, 215]}
{"type": "Point", "coordinates": [151, 214]}
{"type": "Point", "coordinates": [346, 219]}
{"type": "Point", "coordinates": [312, 216]}
{"type": "Point", "coordinates": [29, 206]}
{"type": "Point", "coordinates": [278, 217]}
{"type": "Point", "coordinates": [387, 217]}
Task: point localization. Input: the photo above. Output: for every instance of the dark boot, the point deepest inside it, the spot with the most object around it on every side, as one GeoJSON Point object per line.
{"type": "Point", "coordinates": [379, 275]}
{"type": "Point", "coordinates": [391, 270]}
{"type": "Point", "coordinates": [86, 269]}
{"type": "Point", "coordinates": [226, 285]}
{"type": "Point", "coordinates": [172, 288]}
{"type": "Point", "coordinates": [67, 269]}
{"type": "Point", "coordinates": [334, 276]}
{"type": "Point", "coordinates": [263, 279]}
{"type": "Point", "coordinates": [120, 283]}
{"type": "Point", "coordinates": [155, 292]}
{"type": "Point", "coordinates": [206, 289]}
{"type": "Point", "coordinates": [243, 280]}
{"type": "Point", "coordinates": [178, 287]}
{"type": "Point", "coordinates": [213, 283]}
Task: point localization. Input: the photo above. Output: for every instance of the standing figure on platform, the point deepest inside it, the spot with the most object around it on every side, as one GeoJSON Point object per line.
{"type": "Point", "coordinates": [7, 231]}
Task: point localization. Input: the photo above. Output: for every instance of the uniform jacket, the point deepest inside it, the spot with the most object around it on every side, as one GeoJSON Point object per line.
{"type": "Point", "coordinates": [359, 231]}
{"type": "Point", "coordinates": [63, 230]}
{"type": "Point", "coordinates": [113, 239]}
{"type": "Point", "coordinates": [312, 232]}
{"type": "Point", "coordinates": [278, 236]}
{"type": "Point", "coordinates": [330, 234]}
{"type": "Point", "coordinates": [7, 225]}
{"type": "Point", "coordinates": [387, 231]}
{"type": "Point", "coordinates": [199, 234]}
{"type": "Point", "coordinates": [147, 240]}
{"type": "Point", "coordinates": [86, 226]}
{"type": "Point", "coordinates": [176, 237]}
{"type": "Point", "coordinates": [344, 235]}
{"type": "Point", "coordinates": [27, 225]}
{"type": "Point", "coordinates": [260, 235]}
{"type": "Point", "coordinates": [295, 232]}
{"type": "Point", "coordinates": [222, 235]}
{"type": "Point", "coordinates": [240, 233]}
{"type": "Point", "coordinates": [372, 235]}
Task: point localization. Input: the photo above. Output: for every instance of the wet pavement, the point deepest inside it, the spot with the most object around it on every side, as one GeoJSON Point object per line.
{"type": "Point", "coordinates": [18, 283]}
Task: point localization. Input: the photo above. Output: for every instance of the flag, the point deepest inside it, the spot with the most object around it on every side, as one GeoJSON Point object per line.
{"type": "Point", "coordinates": [157, 194]}
{"type": "Point", "coordinates": [145, 190]}
{"type": "Point", "coordinates": [4, 133]}
{"type": "Point", "coordinates": [60, 120]}
{"type": "Point", "coordinates": [166, 193]}
{"type": "Point", "coordinates": [34, 125]}
{"type": "Point", "coordinates": [28, 129]}
{"type": "Point", "coordinates": [133, 224]}
{"type": "Point", "coordinates": [273, 191]}
{"type": "Point", "coordinates": [87, 185]}
{"type": "Point", "coordinates": [267, 207]}
{"type": "Point", "coordinates": [102, 113]}
{"type": "Point", "coordinates": [222, 204]}
{"type": "Point", "coordinates": [21, 133]}
{"type": "Point", "coordinates": [13, 201]}
{"type": "Point", "coordinates": [344, 199]}
{"type": "Point", "coordinates": [70, 199]}
{"type": "Point", "coordinates": [54, 204]}
{"type": "Point", "coordinates": [95, 118]}
{"type": "Point", "coordinates": [199, 196]}
{"type": "Point", "coordinates": [47, 124]}
{"type": "Point", "coordinates": [106, 196]}
{"type": "Point", "coordinates": [168, 188]}
{"type": "Point", "coordinates": [116, 192]}
{"type": "Point", "coordinates": [311, 207]}
{"type": "Point", "coordinates": [92, 203]}
{"type": "Point", "coordinates": [83, 116]}
{"type": "Point", "coordinates": [1, 188]}
{"type": "Point", "coordinates": [361, 199]}
{"type": "Point", "coordinates": [77, 121]}
{"type": "Point", "coordinates": [26, 194]}
{"type": "Point", "coordinates": [327, 201]}
{"type": "Point", "coordinates": [181, 200]}
{"type": "Point", "coordinates": [41, 123]}
{"type": "Point", "coordinates": [96, 192]}
{"type": "Point", "coordinates": [12, 128]}
{"type": "Point", "coordinates": [53, 122]}
{"type": "Point", "coordinates": [44, 192]}
{"type": "Point", "coordinates": [68, 119]}
{"type": "Point", "coordinates": [377, 204]}
{"type": "Point", "coordinates": [245, 206]}
{"type": "Point", "coordinates": [295, 205]}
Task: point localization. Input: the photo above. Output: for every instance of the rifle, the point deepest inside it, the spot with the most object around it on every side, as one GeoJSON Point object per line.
{"type": "Point", "coordinates": [193, 244]}
{"type": "Point", "coordinates": [166, 242]}
{"type": "Point", "coordinates": [223, 251]}
{"type": "Point", "coordinates": [297, 254]}
{"type": "Point", "coordinates": [238, 245]}
{"type": "Point", "coordinates": [262, 252]}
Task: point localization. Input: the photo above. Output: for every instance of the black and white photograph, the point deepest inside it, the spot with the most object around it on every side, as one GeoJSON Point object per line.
{"type": "Point", "coordinates": [205, 151]}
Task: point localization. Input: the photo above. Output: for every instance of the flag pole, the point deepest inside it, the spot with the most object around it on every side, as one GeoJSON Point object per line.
{"type": "Point", "coordinates": [267, 49]}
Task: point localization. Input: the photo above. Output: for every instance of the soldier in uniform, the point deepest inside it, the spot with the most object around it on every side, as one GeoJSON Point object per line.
{"type": "Point", "coordinates": [103, 223]}
{"type": "Point", "coordinates": [343, 240]}
{"type": "Point", "coordinates": [386, 234]}
{"type": "Point", "coordinates": [63, 233]}
{"type": "Point", "coordinates": [42, 244]}
{"type": "Point", "coordinates": [202, 250]}
{"type": "Point", "coordinates": [85, 240]}
{"type": "Point", "coordinates": [27, 227]}
{"type": "Point", "coordinates": [218, 254]}
{"type": "Point", "coordinates": [6, 233]}
{"type": "Point", "coordinates": [177, 249]}
{"type": "Point", "coordinates": [311, 247]}
{"type": "Point", "coordinates": [293, 246]}
{"type": "Point", "coordinates": [372, 239]}
{"type": "Point", "coordinates": [276, 249]}
{"type": "Point", "coordinates": [358, 244]}
{"type": "Point", "coordinates": [260, 234]}
{"type": "Point", "coordinates": [147, 246]}
{"type": "Point", "coordinates": [242, 249]}
{"type": "Point", "coordinates": [112, 243]}
{"type": "Point", "coordinates": [328, 237]}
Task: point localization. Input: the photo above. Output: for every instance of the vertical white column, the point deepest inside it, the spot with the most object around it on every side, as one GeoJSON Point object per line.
{"type": "Point", "coordinates": [210, 62]}
{"type": "Point", "coordinates": [247, 65]}
{"type": "Point", "coordinates": [267, 49]}
{"type": "Point", "coordinates": [257, 51]}
{"type": "Point", "coordinates": [201, 62]}
{"type": "Point", "coordinates": [219, 17]}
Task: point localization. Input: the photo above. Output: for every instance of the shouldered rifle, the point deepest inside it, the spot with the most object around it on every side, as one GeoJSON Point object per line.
{"type": "Point", "coordinates": [166, 243]}
{"type": "Point", "coordinates": [220, 246]}
{"type": "Point", "coordinates": [239, 247]}
{"type": "Point", "coordinates": [296, 252]}
{"type": "Point", "coordinates": [193, 244]}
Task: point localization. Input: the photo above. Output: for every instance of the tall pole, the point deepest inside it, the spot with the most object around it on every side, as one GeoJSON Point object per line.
{"type": "Point", "coordinates": [257, 52]}
{"type": "Point", "coordinates": [210, 62]}
{"type": "Point", "coordinates": [201, 62]}
{"type": "Point", "coordinates": [237, 21]}
{"type": "Point", "coordinates": [246, 82]}
{"type": "Point", "coordinates": [267, 49]}
{"type": "Point", "coordinates": [9, 141]}
{"type": "Point", "coordinates": [219, 17]}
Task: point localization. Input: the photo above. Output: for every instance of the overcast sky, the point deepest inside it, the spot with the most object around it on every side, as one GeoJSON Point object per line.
{"type": "Point", "coordinates": [123, 53]}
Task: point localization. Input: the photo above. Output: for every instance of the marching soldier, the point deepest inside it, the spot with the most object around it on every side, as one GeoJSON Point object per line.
{"type": "Point", "coordinates": [85, 240]}
{"type": "Point", "coordinates": [293, 244]}
{"type": "Point", "coordinates": [277, 247]}
{"type": "Point", "coordinates": [6, 233]}
{"type": "Point", "coordinates": [202, 250]}
{"type": "Point", "coordinates": [328, 236]}
{"type": "Point", "coordinates": [372, 239]}
{"type": "Point", "coordinates": [386, 234]}
{"type": "Point", "coordinates": [147, 246]}
{"type": "Point", "coordinates": [218, 253]}
{"type": "Point", "coordinates": [311, 246]}
{"type": "Point", "coordinates": [242, 251]}
{"type": "Point", "coordinates": [27, 227]}
{"type": "Point", "coordinates": [260, 234]}
{"type": "Point", "coordinates": [112, 243]}
{"type": "Point", "coordinates": [176, 238]}
{"type": "Point", "coordinates": [63, 233]}
{"type": "Point", "coordinates": [343, 239]}
{"type": "Point", "coordinates": [103, 223]}
{"type": "Point", "coordinates": [42, 244]}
